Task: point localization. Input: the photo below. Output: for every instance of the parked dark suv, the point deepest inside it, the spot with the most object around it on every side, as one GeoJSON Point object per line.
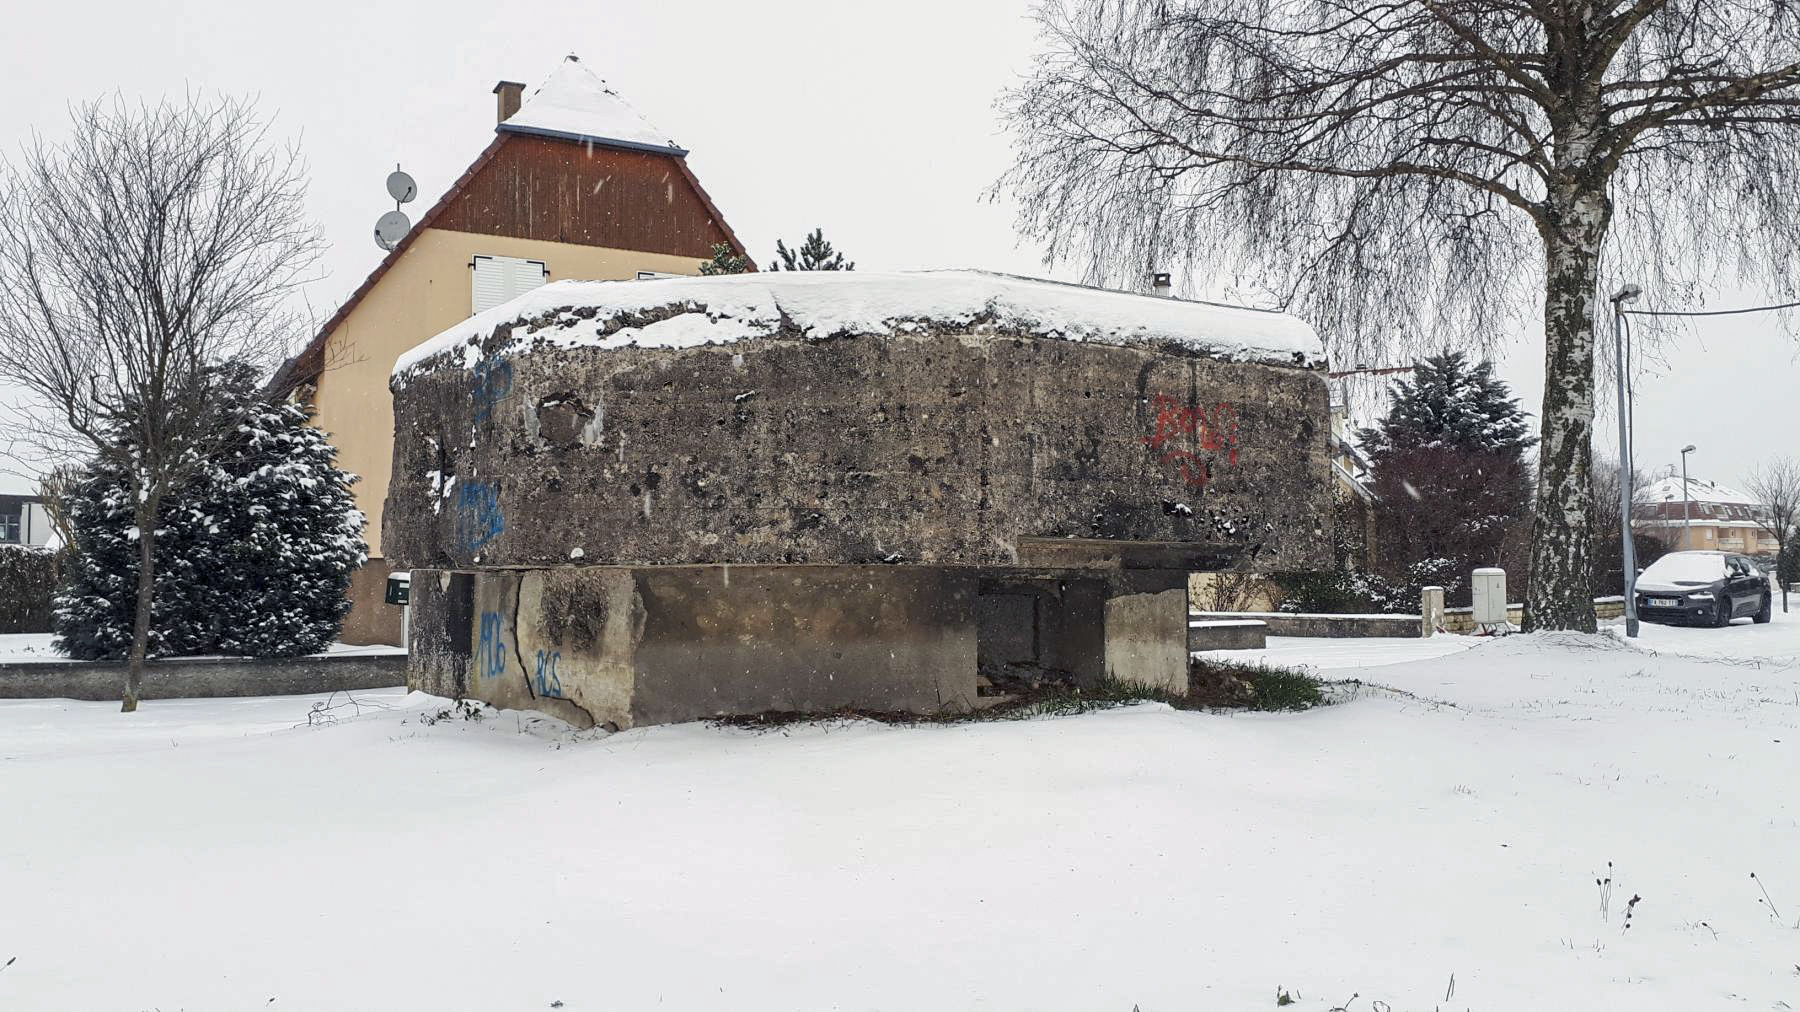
{"type": "Point", "coordinates": [1703, 588]}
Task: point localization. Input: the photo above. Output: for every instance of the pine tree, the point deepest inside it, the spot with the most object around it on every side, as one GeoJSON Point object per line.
{"type": "Point", "coordinates": [253, 555]}
{"type": "Point", "coordinates": [1453, 404]}
{"type": "Point", "coordinates": [1451, 477]}
{"type": "Point", "coordinates": [815, 254]}
{"type": "Point", "coordinates": [724, 261]}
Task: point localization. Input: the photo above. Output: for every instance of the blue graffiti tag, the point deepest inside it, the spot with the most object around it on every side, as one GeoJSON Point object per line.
{"type": "Point", "coordinates": [493, 381]}
{"type": "Point", "coordinates": [548, 684]}
{"type": "Point", "coordinates": [478, 518]}
{"type": "Point", "coordinates": [490, 653]}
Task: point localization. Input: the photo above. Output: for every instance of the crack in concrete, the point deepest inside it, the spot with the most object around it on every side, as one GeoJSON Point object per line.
{"type": "Point", "coordinates": [518, 597]}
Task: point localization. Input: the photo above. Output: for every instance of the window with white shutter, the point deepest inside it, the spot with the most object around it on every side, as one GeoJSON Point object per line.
{"type": "Point", "coordinates": [494, 280]}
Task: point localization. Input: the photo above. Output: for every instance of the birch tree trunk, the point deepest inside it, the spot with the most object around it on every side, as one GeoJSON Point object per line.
{"type": "Point", "coordinates": [1367, 166]}
{"type": "Point", "coordinates": [1561, 594]}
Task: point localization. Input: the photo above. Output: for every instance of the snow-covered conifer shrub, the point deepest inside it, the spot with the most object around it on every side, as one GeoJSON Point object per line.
{"type": "Point", "coordinates": [253, 553]}
{"type": "Point", "coordinates": [1452, 486]}
{"type": "Point", "coordinates": [724, 261]}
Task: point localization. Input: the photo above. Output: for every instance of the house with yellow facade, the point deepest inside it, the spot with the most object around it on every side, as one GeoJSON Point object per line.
{"type": "Point", "coordinates": [574, 185]}
{"type": "Point", "coordinates": [1702, 516]}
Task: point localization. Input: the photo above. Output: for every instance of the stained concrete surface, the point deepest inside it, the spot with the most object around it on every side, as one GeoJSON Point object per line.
{"type": "Point", "coordinates": [931, 450]}
{"type": "Point", "coordinates": [634, 535]}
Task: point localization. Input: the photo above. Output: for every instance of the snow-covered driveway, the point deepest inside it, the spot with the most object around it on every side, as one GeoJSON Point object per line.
{"type": "Point", "coordinates": [212, 855]}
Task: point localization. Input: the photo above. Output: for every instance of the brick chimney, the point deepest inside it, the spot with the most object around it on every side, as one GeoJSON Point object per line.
{"type": "Point", "coordinates": [511, 94]}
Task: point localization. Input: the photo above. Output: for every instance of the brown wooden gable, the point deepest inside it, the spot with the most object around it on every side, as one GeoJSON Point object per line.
{"type": "Point", "coordinates": [521, 186]}
{"type": "Point", "coordinates": [563, 191]}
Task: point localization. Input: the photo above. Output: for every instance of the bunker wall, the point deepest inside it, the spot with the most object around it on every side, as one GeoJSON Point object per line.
{"type": "Point", "coordinates": [943, 449]}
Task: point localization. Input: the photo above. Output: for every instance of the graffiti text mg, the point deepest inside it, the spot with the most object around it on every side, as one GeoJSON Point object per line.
{"type": "Point", "coordinates": [478, 519]}
{"type": "Point", "coordinates": [493, 381]}
{"type": "Point", "coordinates": [490, 648]}
{"type": "Point", "coordinates": [1213, 430]}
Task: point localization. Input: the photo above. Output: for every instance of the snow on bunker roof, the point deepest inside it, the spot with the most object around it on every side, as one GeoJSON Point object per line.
{"type": "Point", "coordinates": [575, 104]}
{"type": "Point", "coordinates": [693, 311]}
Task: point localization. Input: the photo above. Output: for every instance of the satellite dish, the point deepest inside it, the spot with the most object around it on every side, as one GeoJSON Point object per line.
{"type": "Point", "coordinates": [390, 228]}
{"type": "Point", "coordinates": [401, 186]}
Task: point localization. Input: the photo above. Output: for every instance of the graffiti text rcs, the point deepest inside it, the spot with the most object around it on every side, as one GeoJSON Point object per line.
{"type": "Point", "coordinates": [547, 681]}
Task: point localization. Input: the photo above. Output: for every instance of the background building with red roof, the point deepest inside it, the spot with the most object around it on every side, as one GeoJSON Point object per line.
{"type": "Point", "coordinates": [575, 184]}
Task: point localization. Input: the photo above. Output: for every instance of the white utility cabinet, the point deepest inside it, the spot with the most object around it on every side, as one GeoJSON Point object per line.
{"type": "Point", "coordinates": [1488, 589]}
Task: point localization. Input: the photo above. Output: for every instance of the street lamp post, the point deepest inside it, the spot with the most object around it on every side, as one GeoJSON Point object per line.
{"type": "Point", "coordinates": [1627, 552]}
{"type": "Point", "coordinates": [1687, 514]}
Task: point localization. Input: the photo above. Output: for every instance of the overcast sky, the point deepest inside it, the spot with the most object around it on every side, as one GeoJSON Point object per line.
{"type": "Point", "coordinates": [874, 121]}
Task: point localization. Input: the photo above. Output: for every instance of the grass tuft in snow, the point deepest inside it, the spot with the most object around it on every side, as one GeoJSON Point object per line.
{"type": "Point", "coordinates": [1604, 886]}
{"type": "Point", "coordinates": [1285, 690]}
{"type": "Point", "coordinates": [1769, 902]}
{"type": "Point", "coordinates": [1215, 683]}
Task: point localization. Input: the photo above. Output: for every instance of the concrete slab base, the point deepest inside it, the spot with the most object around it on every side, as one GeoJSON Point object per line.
{"type": "Point", "coordinates": [624, 646]}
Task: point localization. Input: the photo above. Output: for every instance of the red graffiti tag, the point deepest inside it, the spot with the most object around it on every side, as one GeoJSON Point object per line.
{"type": "Point", "coordinates": [1213, 430]}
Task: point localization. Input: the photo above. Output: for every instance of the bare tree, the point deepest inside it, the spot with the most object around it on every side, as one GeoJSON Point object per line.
{"type": "Point", "coordinates": [1229, 591]}
{"type": "Point", "coordinates": [152, 244]}
{"type": "Point", "coordinates": [1776, 488]}
{"type": "Point", "coordinates": [56, 486]}
{"type": "Point", "coordinates": [1414, 170]}
{"type": "Point", "coordinates": [1608, 558]}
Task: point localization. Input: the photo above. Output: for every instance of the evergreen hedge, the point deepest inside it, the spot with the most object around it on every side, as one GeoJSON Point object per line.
{"type": "Point", "coordinates": [27, 588]}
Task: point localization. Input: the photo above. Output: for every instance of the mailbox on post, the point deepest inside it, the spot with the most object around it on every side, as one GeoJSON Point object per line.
{"type": "Point", "coordinates": [399, 588]}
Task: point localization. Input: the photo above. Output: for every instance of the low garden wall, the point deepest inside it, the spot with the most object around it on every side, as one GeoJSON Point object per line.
{"type": "Point", "coordinates": [1285, 624]}
{"type": "Point", "coordinates": [1462, 620]}
{"type": "Point", "coordinates": [194, 677]}
{"type": "Point", "coordinates": [1455, 620]}
{"type": "Point", "coordinates": [1228, 634]}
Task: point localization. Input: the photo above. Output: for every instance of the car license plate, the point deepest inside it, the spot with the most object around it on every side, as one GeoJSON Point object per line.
{"type": "Point", "coordinates": [1664, 602]}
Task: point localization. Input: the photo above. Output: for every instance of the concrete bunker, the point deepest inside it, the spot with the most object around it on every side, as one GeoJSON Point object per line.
{"type": "Point", "coordinates": [646, 502]}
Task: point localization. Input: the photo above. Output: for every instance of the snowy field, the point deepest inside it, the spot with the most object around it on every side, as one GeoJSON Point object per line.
{"type": "Point", "coordinates": [223, 855]}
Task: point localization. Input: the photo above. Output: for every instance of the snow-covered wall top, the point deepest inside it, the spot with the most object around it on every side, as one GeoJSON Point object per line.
{"type": "Point", "coordinates": [687, 312]}
{"type": "Point", "coordinates": [573, 102]}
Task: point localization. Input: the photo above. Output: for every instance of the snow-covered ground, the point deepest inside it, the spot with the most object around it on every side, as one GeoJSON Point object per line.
{"type": "Point", "coordinates": [1328, 656]}
{"type": "Point", "coordinates": [222, 854]}
{"type": "Point", "coordinates": [1778, 641]}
